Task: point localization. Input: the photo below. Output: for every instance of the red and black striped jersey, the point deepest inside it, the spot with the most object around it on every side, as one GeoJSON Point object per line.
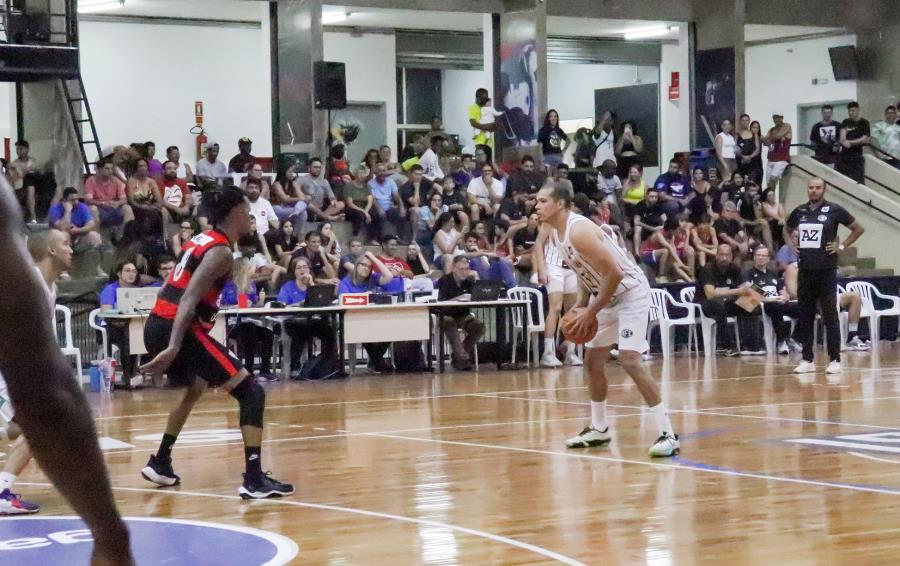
{"type": "Point", "coordinates": [191, 255]}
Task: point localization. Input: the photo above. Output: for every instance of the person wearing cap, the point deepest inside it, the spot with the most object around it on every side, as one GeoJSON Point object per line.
{"type": "Point", "coordinates": [241, 162]}
{"type": "Point", "coordinates": [779, 141]}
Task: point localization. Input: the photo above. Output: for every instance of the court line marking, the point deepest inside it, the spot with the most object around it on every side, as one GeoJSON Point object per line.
{"type": "Point", "coordinates": [660, 465]}
{"type": "Point", "coordinates": [876, 458]}
{"type": "Point", "coordinates": [377, 514]}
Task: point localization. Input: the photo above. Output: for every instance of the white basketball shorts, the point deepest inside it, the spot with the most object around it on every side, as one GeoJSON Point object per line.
{"type": "Point", "coordinates": [625, 322]}
{"type": "Point", "coordinates": [561, 280]}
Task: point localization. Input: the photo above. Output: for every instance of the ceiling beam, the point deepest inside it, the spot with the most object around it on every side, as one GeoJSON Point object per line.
{"type": "Point", "coordinates": [470, 6]}
{"type": "Point", "coordinates": [670, 10]}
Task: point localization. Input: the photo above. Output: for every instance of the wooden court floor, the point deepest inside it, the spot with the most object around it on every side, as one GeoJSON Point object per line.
{"type": "Point", "coordinates": [471, 468]}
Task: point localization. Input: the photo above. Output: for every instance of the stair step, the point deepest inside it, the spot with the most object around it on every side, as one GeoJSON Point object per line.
{"type": "Point", "coordinates": [848, 256]}
{"type": "Point", "coordinates": [864, 263]}
{"type": "Point", "coordinates": [874, 273]}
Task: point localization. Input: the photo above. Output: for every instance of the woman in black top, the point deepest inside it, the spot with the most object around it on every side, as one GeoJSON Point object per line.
{"type": "Point", "coordinates": [706, 198]}
{"type": "Point", "coordinates": [629, 147]}
{"type": "Point", "coordinates": [553, 141]}
{"type": "Point", "coordinates": [282, 242]}
{"type": "Point", "coordinates": [750, 148]}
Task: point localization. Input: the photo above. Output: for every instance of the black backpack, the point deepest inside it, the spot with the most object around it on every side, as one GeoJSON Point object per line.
{"type": "Point", "coordinates": [408, 356]}
{"type": "Point", "coordinates": [320, 367]}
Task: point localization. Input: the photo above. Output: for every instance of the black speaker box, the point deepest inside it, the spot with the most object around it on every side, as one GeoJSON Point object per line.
{"type": "Point", "coordinates": [330, 85]}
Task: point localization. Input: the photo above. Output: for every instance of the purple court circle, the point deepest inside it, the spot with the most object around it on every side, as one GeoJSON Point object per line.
{"type": "Point", "coordinates": [39, 541]}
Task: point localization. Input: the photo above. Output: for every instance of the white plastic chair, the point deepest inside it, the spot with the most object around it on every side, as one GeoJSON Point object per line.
{"type": "Point", "coordinates": [708, 325]}
{"type": "Point", "coordinates": [868, 293]}
{"type": "Point", "coordinates": [108, 350]}
{"type": "Point", "coordinates": [659, 315]}
{"type": "Point", "coordinates": [68, 343]}
{"type": "Point", "coordinates": [530, 295]}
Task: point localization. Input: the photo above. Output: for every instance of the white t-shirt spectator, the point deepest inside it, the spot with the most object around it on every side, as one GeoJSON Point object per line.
{"type": "Point", "coordinates": [479, 190]}
{"type": "Point", "coordinates": [263, 212]}
{"type": "Point", "coordinates": [604, 144]}
{"type": "Point", "coordinates": [429, 162]}
{"type": "Point", "coordinates": [728, 145]}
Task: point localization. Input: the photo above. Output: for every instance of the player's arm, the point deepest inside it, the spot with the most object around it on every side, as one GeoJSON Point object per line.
{"type": "Point", "coordinates": [538, 262]}
{"type": "Point", "coordinates": [50, 408]}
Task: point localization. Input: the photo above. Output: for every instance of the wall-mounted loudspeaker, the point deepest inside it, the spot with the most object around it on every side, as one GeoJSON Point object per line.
{"type": "Point", "coordinates": [330, 85]}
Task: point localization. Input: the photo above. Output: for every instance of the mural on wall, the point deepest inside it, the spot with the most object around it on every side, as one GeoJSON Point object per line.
{"type": "Point", "coordinates": [713, 93]}
{"type": "Point", "coordinates": [515, 108]}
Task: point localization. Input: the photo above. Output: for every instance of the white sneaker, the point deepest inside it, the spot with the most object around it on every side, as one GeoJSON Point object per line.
{"type": "Point", "coordinates": [856, 344]}
{"type": "Point", "coordinates": [572, 359]}
{"type": "Point", "coordinates": [666, 445]}
{"type": "Point", "coordinates": [614, 354]}
{"type": "Point", "coordinates": [549, 360]}
{"type": "Point", "coordinates": [588, 437]}
{"type": "Point", "coordinates": [834, 366]}
{"type": "Point", "coordinates": [646, 356]}
{"type": "Point", "coordinates": [805, 367]}
{"type": "Point", "coordinates": [783, 348]}
{"type": "Point", "coordinates": [796, 347]}
{"type": "Point", "coordinates": [753, 352]}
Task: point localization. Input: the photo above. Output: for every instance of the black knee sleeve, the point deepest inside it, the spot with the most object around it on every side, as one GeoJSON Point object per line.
{"type": "Point", "coordinates": [252, 399]}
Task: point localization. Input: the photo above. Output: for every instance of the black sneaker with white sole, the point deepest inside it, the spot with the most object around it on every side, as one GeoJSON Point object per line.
{"type": "Point", "coordinates": [263, 486]}
{"type": "Point", "coordinates": [160, 472]}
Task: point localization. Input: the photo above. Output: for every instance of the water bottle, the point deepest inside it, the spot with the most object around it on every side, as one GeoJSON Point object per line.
{"type": "Point", "coordinates": [95, 378]}
{"type": "Point", "coordinates": [408, 296]}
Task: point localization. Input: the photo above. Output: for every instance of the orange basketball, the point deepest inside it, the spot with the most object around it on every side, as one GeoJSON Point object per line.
{"type": "Point", "coordinates": [566, 323]}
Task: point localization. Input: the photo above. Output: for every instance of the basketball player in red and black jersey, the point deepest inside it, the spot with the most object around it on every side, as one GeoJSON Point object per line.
{"type": "Point", "coordinates": [177, 335]}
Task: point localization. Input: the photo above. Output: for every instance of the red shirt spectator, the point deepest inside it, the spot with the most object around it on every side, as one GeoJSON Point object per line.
{"type": "Point", "coordinates": [101, 190]}
{"type": "Point", "coordinates": [176, 196]}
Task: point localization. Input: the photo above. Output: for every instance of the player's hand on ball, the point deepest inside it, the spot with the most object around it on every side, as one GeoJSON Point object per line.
{"type": "Point", "coordinates": [579, 325]}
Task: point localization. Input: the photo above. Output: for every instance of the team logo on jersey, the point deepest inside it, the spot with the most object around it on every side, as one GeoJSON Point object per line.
{"type": "Point", "coordinates": [826, 208]}
{"type": "Point", "coordinates": [822, 218]}
{"type": "Point", "coordinates": [627, 333]}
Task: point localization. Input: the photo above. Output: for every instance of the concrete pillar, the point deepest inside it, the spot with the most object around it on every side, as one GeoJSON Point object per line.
{"type": "Point", "coordinates": [879, 67]}
{"type": "Point", "coordinates": [47, 126]}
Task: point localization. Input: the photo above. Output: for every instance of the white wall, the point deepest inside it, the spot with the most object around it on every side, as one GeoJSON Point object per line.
{"type": "Point", "coordinates": [8, 114]}
{"type": "Point", "coordinates": [142, 81]}
{"type": "Point", "coordinates": [371, 63]}
{"type": "Point", "coordinates": [779, 77]}
{"type": "Point", "coordinates": [675, 115]}
{"type": "Point", "coordinates": [457, 94]}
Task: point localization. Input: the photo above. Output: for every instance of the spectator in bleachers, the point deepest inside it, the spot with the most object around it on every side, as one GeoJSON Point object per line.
{"type": "Point", "coordinates": [670, 251]}
{"type": "Point", "coordinates": [404, 276]}
{"type": "Point", "coordinates": [283, 243]}
{"type": "Point", "coordinates": [487, 264]}
{"type": "Point", "coordinates": [705, 200]}
{"type": "Point", "coordinates": [634, 190]}
{"type": "Point", "coordinates": [338, 170]}
{"type": "Point", "coordinates": [726, 150]}
{"type": "Point", "coordinates": [561, 172]}
{"type": "Point", "coordinates": [523, 186]}
{"type": "Point", "coordinates": [388, 203]}
{"type": "Point", "coordinates": [302, 329]}
{"type": "Point", "coordinates": [825, 137]}
{"type": "Point", "coordinates": [384, 156]}
{"type": "Point", "coordinates": [773, 213]}
{"type": "Point", "coordinates": [324, 271]}
{"type": "Point", "coordinates": [145, 199]}
{"type": "Point", "coordinates": [413, 194]}
{"type": "Point", "coordinates": [185, 233]}
{"type": "Point", "coordinates": [429, 159]}
{"type": "Point", "coordinates": [466, 170]}
{"type": "Point", "coordinates": [629, 147]}
{"type": "Point", "coordinates": [749, 156]}
{"type": "Point", "coordinates": [729, 231]}
{"type": "Point", "coordinates": [750, 214]}
{"type": "Point", "coordinates": [255, 172]}
{"type": "Point", "coordinates": [105, 194]}
{"type": "Point", "coordinates": [154, 166]}
{"type": "Point", "coordinates": [523, 243]}
{"type": "Point", "coordinates": [288, 200]}
{"type": "Point", "coordinates": [417, 262]}
{"type": "Point", "coordinates": [886, 135]}
{"type": "Point", "coordinates": [75, 219]}
{"type": "Point", "coordinates": [777, 301]}
{"type": "Point", "coordinates": [454, 320]}
{"type": "Point", "coordinates": [358, 204]}
{"type": "Point", "coordinates": [322, 204]}
{"type": "Point", "coordinates": [260, 208]}
{"type": "Point", "coordinates": [330, 243]}
{"type": "Point", "coordinates": [428, 215]}
{"type": "Point", "coordinates": [165, 263]}
{"type": "Point", "coordinates": [603, 139]}
{"type": "Point", "coordinates": [855, 132]}
{"type": "Point", "coordinates": [21, 172]}
{"type": "Point", "coordinates": [456, 200]}
{"type": "Point", "coordinates": [485, 194]}
{"type": "Point", "coordinates": [704, 240]}
{"type": "Point", "coordinates": [183, 169]}
{"type": "Point", "coordinates": [251, 337]}
{"type": "Point", "coordinates": [371, 158]}
{"type": "Point", "coordinates": [608, 183]}
{"type": "Point", "coordinates": [446, 241]}
{"type": "Point", "coordinates": [125, 276]}
{"type": "Point", "coordinates": [355, 252]}
{"type": "Point", "coordinates": [177, 198]}
{"type": "Point", "coordinates": [482, 134]}
{"type": "Point", "coordinates": [254, 247]}
{"type": "Point", "coordinates": [241, 162]}
{"type": "Point", "coordinates": [367, 276]}
{"type": "Point", "coordinates": [553, 140]}
{"type": "Point", "coordinates": [719, 284]}
{"type": "Point", "coordinates": [674, 189]}
{"type": "Point", "coordinates": [647, 217]}
{"type": "Point", "coordinates": [211, 170]}
{"type": "Point", "coordinates": [779, 141]}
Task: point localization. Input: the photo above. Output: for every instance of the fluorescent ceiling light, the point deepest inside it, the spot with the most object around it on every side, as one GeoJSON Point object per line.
{"type": "Point", "coordinates": [329, 18]}
{"type": "Point", "coordinates": [90, 6]}
{"type": "Point", "coordinates": [645, 33]}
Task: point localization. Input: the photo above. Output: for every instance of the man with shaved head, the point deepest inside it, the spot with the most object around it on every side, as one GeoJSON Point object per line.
{"type": "Point", "coordinates": [817, 248]}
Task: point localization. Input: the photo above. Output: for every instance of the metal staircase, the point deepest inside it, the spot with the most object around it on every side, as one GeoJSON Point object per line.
{"type": "Point", "coordinates": [80, 113]}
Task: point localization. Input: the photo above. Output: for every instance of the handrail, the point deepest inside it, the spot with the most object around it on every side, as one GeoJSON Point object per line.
{"type": "Point", "coordinates": [847, 193]}
{"type": "Point", "coordinates": [879, 183]}
{"type": "Point", "coordinates": [877, 149]}
{"type": "Point", "coordinates": [882, 185]}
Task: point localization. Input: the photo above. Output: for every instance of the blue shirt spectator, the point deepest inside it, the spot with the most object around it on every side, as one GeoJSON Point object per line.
{"type": "Point", "coordinates": [81, 214]}
{"type": "Point", "coordinates": [348, 286]}
{"type": "Point", "coordinates": [229, 296]}
{"type": "Point", "coordinates": [291, 294]}
{"type": "Point", "coordinates": [108, 294]}
{"type": "Point", "coordinates": [384, 192]}
{"type": "Point", "coordinates": [785, 256]}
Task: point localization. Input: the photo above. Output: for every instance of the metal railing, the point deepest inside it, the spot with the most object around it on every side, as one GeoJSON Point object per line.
{"type": "Point", "coordinates": [858, 199]}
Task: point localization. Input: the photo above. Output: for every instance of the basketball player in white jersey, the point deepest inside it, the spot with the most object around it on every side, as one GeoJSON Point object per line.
{"type": "Point", "coordinates": [52, 254]}
{"type": "Point", "coordinates": [562, 291]}
{"type": "Point", "coordinates": [614, 291]}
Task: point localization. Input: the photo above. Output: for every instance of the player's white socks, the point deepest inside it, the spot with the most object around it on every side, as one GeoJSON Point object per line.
{"type": "Point", "coordinates": [550, 345]}
{"type": "Point", "coordinates": [598, 415]}
{"type": "Point", "coordinates": [570, 348]}
{"type": "Point", "coordinates": [6, 481]}
{"type": "Point", "coordinates": [662, 418]}
{"type": "Point", "coordinates": [853, 326]}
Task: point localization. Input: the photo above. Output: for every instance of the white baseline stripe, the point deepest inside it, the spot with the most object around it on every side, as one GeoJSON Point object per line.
{"type": "Point", "coordinates": [844, 444]}
{"type": "Point", "coordinates": [875, 458]}
{"type": "Point", "coordinates": [376, 514]}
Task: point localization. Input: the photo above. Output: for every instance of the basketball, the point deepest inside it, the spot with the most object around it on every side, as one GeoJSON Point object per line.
{"type": "Point", "coordinates": [566, 323]}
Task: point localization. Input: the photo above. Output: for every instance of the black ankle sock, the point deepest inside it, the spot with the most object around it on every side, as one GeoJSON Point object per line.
{"type": "Point", "coordinates": [253, 461]}
{"type": "Point", "coordinates": [165, 447]}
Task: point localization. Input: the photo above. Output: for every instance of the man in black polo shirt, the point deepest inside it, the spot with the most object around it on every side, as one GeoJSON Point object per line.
{"type": "Point", "coordinates": [777, 301]}
{"type": "Point", "coordinates": [649, 217]}
{"type": "Point", "coordinates": [817, 222]}
{"type": "Point", "coordinates": [719, 284]}
{"type": "Point", "coordinates": [459, 282]}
